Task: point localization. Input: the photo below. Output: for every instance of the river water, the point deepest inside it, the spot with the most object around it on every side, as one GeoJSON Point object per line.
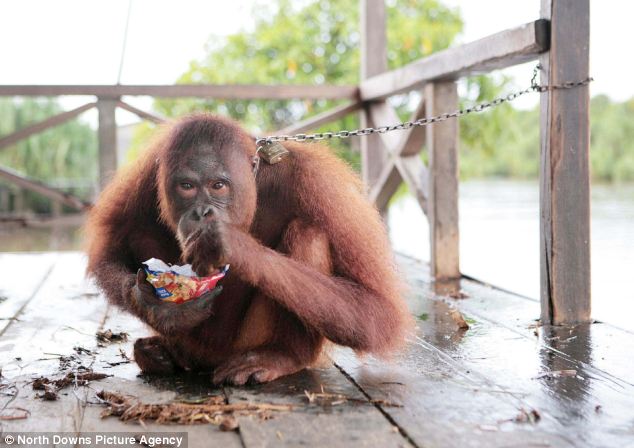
{"type": "Point", "coordinates": [499, 240]}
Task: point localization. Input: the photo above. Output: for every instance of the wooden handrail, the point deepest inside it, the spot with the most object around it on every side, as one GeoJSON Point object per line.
{"type": "Point", "coordinates": [227, 92]}
{"type": "Point", "coordinates": [500, 50]}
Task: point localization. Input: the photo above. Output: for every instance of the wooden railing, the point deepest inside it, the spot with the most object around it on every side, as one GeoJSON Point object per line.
{"type": "Point", "coordinates": [560, 40]}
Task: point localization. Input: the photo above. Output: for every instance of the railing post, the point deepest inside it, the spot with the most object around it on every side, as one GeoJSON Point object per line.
{"type": "Point", "coordinates": [565, 179]}
{"type": "Point", "coordinates": [442, 211]}
{"type": "Point", "coordinates": [107, 135]}
{"type": "Point", "coordinates": [373, 62]}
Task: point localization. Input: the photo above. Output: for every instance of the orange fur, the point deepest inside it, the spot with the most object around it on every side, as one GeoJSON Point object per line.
{"type": "Point", "coordinates": [311, 262]}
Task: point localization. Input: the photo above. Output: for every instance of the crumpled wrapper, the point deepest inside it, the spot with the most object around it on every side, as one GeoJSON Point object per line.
{"type": "Point", "coordinates": [179, 284]}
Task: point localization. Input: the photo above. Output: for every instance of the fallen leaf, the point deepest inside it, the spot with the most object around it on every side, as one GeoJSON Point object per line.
{"type": "Point", "coordinates": [110, 336]}
{"type": "Point", "coordinates": [229, 423]}
{"type": "Point", "coordinates": [458, 319]}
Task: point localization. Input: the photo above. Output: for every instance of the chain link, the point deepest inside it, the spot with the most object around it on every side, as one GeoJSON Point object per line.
{"type": "Point", "coordinates": [534, 87]}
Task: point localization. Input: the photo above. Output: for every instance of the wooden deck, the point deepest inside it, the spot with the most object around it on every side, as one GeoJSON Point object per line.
{"type": "Point", "coordinates": [501, 383]}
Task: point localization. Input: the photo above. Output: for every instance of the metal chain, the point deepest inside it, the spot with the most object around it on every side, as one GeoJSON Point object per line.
{"type": "Point", "coordinates": [534, 87]}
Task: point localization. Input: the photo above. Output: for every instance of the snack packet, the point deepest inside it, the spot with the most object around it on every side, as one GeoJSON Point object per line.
{"type": "Point", "coordinates": [179, 283]}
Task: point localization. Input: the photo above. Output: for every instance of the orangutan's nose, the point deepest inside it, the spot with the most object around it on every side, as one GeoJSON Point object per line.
{"type": "Point", "coordinates": [202, 212]}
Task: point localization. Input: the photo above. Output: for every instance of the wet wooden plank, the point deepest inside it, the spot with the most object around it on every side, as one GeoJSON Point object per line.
{"type": "Point", "coordinates": [457, 388]}
{"type": "Point", "coordinates": [355, 422]}
{"type": "Point", "coordinates": [126, 380]}
{"type": "Point", "coordinates": [64, 313]}
{"type": "Point", "coordinates": [23, 275]}
{"type": "Point", "coordinates": [444, 403]}
{"type": "Point", "coordinates": [611, 345]}
{"type": "Point", "coordinates": [352, 422]}
{"type": "Point", "coordinates": [55, 323]}
{"type": "Point", "coordinates": [554, 371]}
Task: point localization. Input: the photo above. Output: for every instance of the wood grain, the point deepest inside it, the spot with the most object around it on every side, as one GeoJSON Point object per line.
{"type": "Point", "coordinates": [217, 91]}
{"type": "Point", "coordinates": [344, 419]}
{"type": "Point", "coordinates": [373, 61]}
{"type": "Point", "coordinates": [442, 147]}
{"type": "Point", "coordinates": [564, 173]}
{"type": "Point", "coordinates": [107, 136]}
{"type": "Point", "coordinates": [503, 49]}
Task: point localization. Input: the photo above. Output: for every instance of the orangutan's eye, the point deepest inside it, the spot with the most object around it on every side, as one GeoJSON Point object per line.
{"type": "Point", "coordinates": [219, 185]}
{"type": "Point", "coordinates": [186, 186]}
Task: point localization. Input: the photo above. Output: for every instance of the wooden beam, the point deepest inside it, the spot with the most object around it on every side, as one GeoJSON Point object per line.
{"type": "Point", "coordinates": [36, 128]}
{"type": "Point", "coordinates": [442, 146]}
{"type": "Point", "coordinates": [500, 50]}
{"type": "Point", "coordinates": [565, 177]}
{"type": "Point", "coordinates": [107, 135]}
{"type": "Point", "coordinates": [43, 189]}
{"type": "Point", "coordinates": [381, 114]}
{"type": "Point", "coordinates": [373, 62]}
{"type": "Point", "coordinates": [386, 185]}
{"type": "Point", "coordinates": [141, 113]}
{"type": "Point", "coordinates": [416, 176]}
{"type": "Point", "coordinates": [320, 119]}
{"type": "Point", "coordinates": [415, 137]}
{"type": "Point", "coordinates": [226, 91]}
{"type": "Point", "coordinates": [404, 144]}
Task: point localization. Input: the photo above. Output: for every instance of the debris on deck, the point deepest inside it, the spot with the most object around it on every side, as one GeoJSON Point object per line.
{"type": "Point", "coordinates": [495, 384]}
{"type": "Point", "coordinates": [110, 336]}
{"type": "Point", "coordinates": [214, 410]}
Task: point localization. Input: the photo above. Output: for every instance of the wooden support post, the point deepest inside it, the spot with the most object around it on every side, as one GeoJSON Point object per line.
{"type": "Point", "coordinates": [442, 207]}
{"type": "Point", "coordinates": [373, 62]}
{"type": "Point", "coordinates": [565, 180]}
{"type": "Point", "coordinates": [107, 139]}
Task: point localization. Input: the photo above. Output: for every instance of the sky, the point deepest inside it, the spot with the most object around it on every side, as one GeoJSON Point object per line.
{"type": "Point", "coordinates": [80, 41]}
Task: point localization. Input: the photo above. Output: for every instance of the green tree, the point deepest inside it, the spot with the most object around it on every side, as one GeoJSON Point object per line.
{"type": "Point", "coordinates": [501, 142]}
{"type": "Point", "coordinates": [612, 139]}
{"type": "Point", "coordinates": [504, 141]}
{"type": "Point", "coordinates": [63, 156]}
{"type": "Point", "coordinates": [317, 41]}
{"type": "Point", "coordinates": [313, 42]}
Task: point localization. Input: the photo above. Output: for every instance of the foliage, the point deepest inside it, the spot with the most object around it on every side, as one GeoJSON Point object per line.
{"type": "Point", "coordinates": [310, 42]}
{"type": "Point", "coordinates": [612, 139]}
{"type": "Point", "coordinates": [64, 156]}
{"type": "Point", "coordinates": [316, 42]}
{"type": "Point", "coordinates": [504, 142]}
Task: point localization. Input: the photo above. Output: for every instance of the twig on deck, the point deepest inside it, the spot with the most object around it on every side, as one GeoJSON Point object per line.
{"type": "Point", "coordinates": [214, 410]}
